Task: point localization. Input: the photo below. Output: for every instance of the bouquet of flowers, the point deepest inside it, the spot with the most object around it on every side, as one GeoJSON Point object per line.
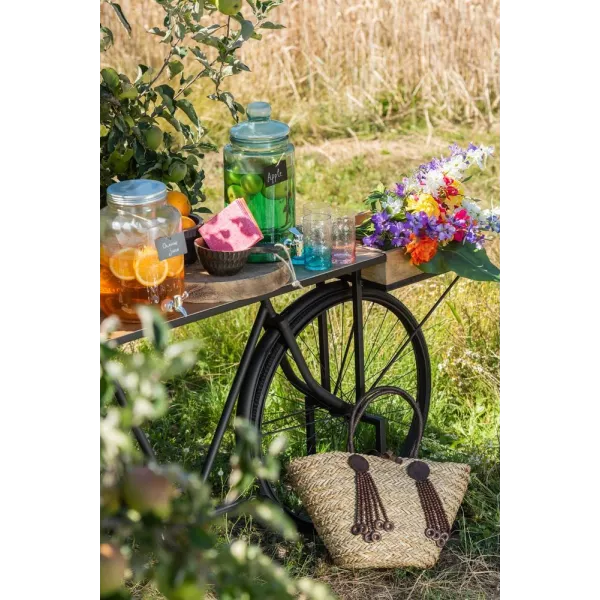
{"type": "Point", "coordinates": [431, 217]}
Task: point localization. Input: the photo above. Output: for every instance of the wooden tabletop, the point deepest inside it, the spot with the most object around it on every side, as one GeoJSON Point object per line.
{"type": "Point", "coordinates": [196, 312]}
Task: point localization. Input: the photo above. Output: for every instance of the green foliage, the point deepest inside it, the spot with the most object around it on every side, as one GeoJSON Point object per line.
{"type": "Point", "coordinates": [464, 260]}
{"type": "Point", "coordinates": [131, 112]}
{"type": "Point", "coordinates": [158, 522]}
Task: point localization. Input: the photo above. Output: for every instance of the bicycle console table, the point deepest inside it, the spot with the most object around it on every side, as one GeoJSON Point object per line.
{"type": "Point", "coordinates": [282, 331]}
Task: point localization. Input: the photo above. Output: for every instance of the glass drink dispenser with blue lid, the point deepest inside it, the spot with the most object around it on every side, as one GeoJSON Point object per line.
{"type": "Point", "coordinates": [259, 167]}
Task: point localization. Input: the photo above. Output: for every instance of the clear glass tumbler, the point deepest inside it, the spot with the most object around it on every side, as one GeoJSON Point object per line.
{"type": "Point", "coordinates": [343, 240]}
{"type": "Point", "coordinates": [316, 229]}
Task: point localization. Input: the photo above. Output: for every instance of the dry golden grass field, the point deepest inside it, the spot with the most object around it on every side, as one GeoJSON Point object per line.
{"type": "Point", "coordinates": [340, 64]}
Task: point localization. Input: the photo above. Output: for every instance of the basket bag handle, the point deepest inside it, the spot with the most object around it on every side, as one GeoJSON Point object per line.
{"type": "Point", "coordinates": [363, 403]}
{"type": "Point", "coordinates": [371, 518]}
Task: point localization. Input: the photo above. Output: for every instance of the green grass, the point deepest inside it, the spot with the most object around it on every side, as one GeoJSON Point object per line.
{"type": "Point", "coordinates": [463, 339]}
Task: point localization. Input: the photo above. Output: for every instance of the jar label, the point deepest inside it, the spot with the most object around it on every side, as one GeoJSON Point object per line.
{"type": "Point", "coordinates": [275, 173]}
{"type": "Point", "coordinates": [171, 245]}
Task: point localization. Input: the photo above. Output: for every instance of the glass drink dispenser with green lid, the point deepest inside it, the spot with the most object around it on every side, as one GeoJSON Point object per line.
{"type": "Point", "coordinates": [259, 167]}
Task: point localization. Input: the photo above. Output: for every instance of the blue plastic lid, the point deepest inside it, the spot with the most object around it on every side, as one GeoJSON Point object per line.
{"type": "Point", "coordinates": [259, 128]}
{"type": "Point", "coordinates": [136, 192]}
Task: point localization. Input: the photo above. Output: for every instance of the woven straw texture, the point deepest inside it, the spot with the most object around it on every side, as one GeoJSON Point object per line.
{"type": "Point", "coordinates": [325, 484]}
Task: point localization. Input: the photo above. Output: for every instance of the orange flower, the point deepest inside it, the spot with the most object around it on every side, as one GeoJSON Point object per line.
{"type": "Point", "coordinates": [422, 250]}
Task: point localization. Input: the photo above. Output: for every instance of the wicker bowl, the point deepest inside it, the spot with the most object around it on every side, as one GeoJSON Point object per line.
{"type": "Point", "coordinates": [218, 262]}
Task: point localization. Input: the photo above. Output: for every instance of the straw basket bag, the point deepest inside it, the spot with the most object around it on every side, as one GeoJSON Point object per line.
{"type": "Point", "coordinates": [380, 512]}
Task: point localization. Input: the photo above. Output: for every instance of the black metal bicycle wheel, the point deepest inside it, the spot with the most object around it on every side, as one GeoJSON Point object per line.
{"type": "Point", "coordinates": [323, 319]}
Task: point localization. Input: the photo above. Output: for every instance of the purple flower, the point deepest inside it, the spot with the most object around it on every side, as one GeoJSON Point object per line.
{"type": "Point", "coordinates": [373, 241]}
{"type": "Point", "coordinates": [369, 240]}
{"type": "Point", "coordinates": [400, 187]}
{"type": "Point", "coordinates": [455, 149]}
{"type": "Point", "coordinates": [396, 228]}
{"type": "Point", "coordinates": [444, 232]}
{"type": "Point", "coordinates": [473, 236]}
{"type": "Point", "coordinates": [493, 223]}
{"type": "Point", "coordinates": [381, 222]}
{"type": "Point", "coordinates": [380, 217]}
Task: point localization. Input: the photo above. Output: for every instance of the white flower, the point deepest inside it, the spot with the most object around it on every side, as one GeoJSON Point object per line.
{"type": "Point", "coordinates": [434, 180]}
{"type": "Point", "coordinates": [479, 155]}
{"type": "Point", "coordinates": [455, 166]}
{"type": "Point", "coordinates": [493, 212]}
{"type": "Point", "coordinates": [394, 204]}
{"type": "Point", "coordinates": [472, 209]}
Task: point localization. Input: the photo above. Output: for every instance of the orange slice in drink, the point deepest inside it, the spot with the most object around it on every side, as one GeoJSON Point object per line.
{"type": "Point", "coordinates": [175, 265]}
{"type": "Point", "coordinates": [149, 271]}
{"type": "Point", "coordinates": [121, 264]}
{"type": "Point", "coordinates": [187, 223]}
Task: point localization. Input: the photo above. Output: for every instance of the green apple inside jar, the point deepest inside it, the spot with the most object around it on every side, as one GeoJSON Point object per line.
{"type": "Point", "coordinates": [259, 167]}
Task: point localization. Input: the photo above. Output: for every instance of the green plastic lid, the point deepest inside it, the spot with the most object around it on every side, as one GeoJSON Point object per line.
{"type": "Point", "coordinates": [259, 128]}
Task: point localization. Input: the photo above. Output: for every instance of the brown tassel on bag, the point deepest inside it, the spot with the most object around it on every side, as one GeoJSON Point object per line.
{"type": "Point", "coordinates": [370, 516]}
{"type": "Point", "coordinates": [438, 528]}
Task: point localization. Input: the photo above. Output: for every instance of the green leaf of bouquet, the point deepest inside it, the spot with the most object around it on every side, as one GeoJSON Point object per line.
{"type": "Point", "coordinates": [464, 260]}
{"type": "Point", "coordinates": [188, 108]}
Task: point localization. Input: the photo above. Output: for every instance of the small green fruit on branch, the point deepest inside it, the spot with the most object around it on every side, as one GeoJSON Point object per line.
{"type": "Point", "coordinates": [229, 7]}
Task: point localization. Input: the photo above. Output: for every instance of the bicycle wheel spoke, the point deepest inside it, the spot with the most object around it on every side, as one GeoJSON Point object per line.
{"type": "Point", "coordinates": [298, 412]}
{"type": "Point", "coordinates": [329, 418]}
{"type": "Point", "coordinates": [385, 316]}
{"type": "Point", "coordinates": [343, 368]}
{"type": "Point", "coordinates": [383, 344]}
{"type": "Point", "coordinates": [397, 361]}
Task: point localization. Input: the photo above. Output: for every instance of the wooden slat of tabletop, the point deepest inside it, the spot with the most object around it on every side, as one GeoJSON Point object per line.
{"type": "Point", "coordinates": [197, 312]}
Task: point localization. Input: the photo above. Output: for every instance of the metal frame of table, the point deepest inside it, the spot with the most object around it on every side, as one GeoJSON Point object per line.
{"type": "Point", "coordinates": [266, 318]}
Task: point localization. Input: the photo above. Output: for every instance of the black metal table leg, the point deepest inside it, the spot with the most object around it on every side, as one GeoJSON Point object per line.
{"type": "Point", "coordinates": [139, 435]}
{"type": "Point", "coordinates": [234, 391]}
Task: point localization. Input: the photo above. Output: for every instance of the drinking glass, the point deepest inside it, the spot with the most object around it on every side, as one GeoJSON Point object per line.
{"type": "Point", "coordinates": [343, 240]}
{"type": "Point", "coordinates": [316, 229]}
